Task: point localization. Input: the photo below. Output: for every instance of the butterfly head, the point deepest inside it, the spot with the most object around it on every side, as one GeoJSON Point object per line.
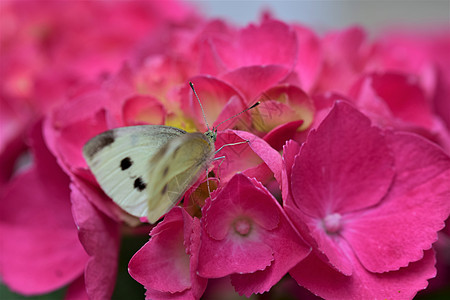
{"type": "Point", "coordinates": [211, 134]}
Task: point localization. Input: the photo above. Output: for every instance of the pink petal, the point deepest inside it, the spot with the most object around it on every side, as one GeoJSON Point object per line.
{"type": "Point", "coordinates": [163, 257]}
{"type": "Point", "coordinates": [309, 56]}
{"type": "Point", "coordinates": [77, 290]}
{"type": "Point", "coordinates": [407, 220]}
{"type": "Point", "coordinates": [344, 161]}
{"type": "Point", "coordinates": [254, 46]}
{"type": "Point", "coordinates": [218, 220]}
{"type": "Point", "coordinates": [225, 249]}
{"type": "Point", "coordinates": [289, 249]}
{"type": "Point", "coordinates": [167, 264]}
{"type": "Point", "coordinates": [241, 255]}
{"type": "Point", "coordinates": [329, 247]}
{"type": "Point", "coordinates": [141, 110]}
{"type": "Point", "coordinates": [290, 151]}
{"type": "Point", "coordinates": [36, 222]}
{"type": "Point", "coordinates": [214, 94]}
{"type": "Point", "coordinates": [282, 133]}
{"type": "Point", "coordinates": [325, 282]}
{"type": "Point", "coordinates": [214, 39]}
{"type": "Point", "coordinates": [344, 55]}
{"type": "Point", "coordinates": [227, 256]}
{"type": "Point", "coordinates": [269, 155]}
{"type": "Point", "coordinates": [252, 81]}
{"type": "Point", "coordinates": [401, 93]}
{"type": "Point", "coordinates": [285, 103]}
{"type": "Point", "coordinates": [100, 238]}
{"type": "Point", "coordinates": [248, 156]}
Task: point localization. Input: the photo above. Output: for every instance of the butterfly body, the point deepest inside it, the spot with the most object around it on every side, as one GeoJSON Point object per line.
{"type": "Point", "coordinates": [147, 169]}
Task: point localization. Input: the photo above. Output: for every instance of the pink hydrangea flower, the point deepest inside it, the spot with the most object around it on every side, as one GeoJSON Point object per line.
{"type": "Point", "coordinates": [338, 189]}
{"type": "Point", "coordinates": [246, 234]}
{"type": "Point", "coordinates": [360, 196]}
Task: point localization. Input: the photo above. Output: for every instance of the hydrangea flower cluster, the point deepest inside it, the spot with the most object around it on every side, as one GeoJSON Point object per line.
{"type": "Point", "coordinates": [343, 185]}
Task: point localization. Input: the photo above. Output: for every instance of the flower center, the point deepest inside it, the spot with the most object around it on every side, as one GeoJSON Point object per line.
{"type": "Point", "coordinates": [332, 223]}
{"type": "Point", "coordinates": [242, 226]}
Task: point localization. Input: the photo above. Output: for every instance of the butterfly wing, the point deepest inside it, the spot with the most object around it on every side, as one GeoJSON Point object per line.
{"type": "Point", "coordinates": [119, 160]}
{"type": "Point", "coordinates": [174, 168]}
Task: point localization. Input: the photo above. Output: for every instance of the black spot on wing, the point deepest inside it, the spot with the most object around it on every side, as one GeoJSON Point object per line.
{"type": "Point", "coordinates": [125, 163]}
{"type": "Point", "coordinates": [164, 190]}
{"type": "Point", "coordinates": [166, 170]}
{"type": "Point", "coordinates": [139, 184]}
{"type": "Point", "coordinates": [99, 142]}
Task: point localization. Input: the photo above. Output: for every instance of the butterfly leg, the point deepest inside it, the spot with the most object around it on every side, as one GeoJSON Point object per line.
{"type": "Point", "coordinates": [222, 159]}
{"type": "Point", "coordinates": [232, 144]}
{"type": "Point", "coordinates": [207, 172]}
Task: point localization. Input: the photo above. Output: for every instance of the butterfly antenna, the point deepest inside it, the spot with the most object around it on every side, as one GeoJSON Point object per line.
{"type": "Point", "coordinates": [201, 106]}
{"type": "Point", "coordinates": [238, 114]}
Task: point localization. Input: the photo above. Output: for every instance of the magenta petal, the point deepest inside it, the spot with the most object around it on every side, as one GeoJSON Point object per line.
{"type": "Point", "coordinates": [77, 290]}
{"type": "Point", "coordinates": [247, 157]}
{"type": "Point", "coordinates": [162, 263]}
{"type": "Point", "coordinates": [237, 226]}
{"type": "Point", "coordinates": [289, 249]}
{"type": "Point", "coordinates": [251, 81]}
{"type": "Point", "coordinates": [325, 282]}
{"type": "Point", "coordinates": [290, 151]}
{"type": "Point", "coordinates": [228, 256]}
{"type": "Point", "coordinates": [167, 264]}
{"type": "Point", "coordinates": [100, 237]}
{"type": "Point", "coordinates": [254, 46]}
{"type": "Point", "coordinates": [345, 165]}
{"type": "Point", "coordinates": [39, 246]}
{"type": "Point", "coordinates": [139, 110]}
{"type": "Point", "coordinates": [269, 155]}
{"type": "Point", "coordinates": [344, 161]}
{"type": "Point", "coordinates": [219, 219]}
{"type": "Point", "coordinates": [331, 249]}
{"type": "Point", "coordinates": [218, 94]}
{"type": "Point", "coordinates": [309, 56]}
{"type": "Point", "coordinates": [278, 136]}
{"type": "Point", "coordinates": [402, 94]}
{"type": "Point", "coordinates": [407, 220]}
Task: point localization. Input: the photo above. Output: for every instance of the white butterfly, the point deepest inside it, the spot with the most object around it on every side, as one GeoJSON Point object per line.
{"type": "Point", "coordinates": [147, 169]}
